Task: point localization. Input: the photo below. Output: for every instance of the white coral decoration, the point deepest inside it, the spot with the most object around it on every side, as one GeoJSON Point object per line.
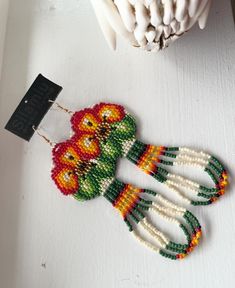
{"type": "Point", "coordinates": [149, 24]}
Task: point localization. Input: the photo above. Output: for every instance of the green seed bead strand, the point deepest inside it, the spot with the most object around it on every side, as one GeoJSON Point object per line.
{"type": "Point", "coordinates": [171, 246]}
{"type": "Point", "coordinates": [206, 196]}
{"type": "Point", "coordinates": [172, 149]}
{"type": "Point", "coordinates": [186, 233]}
{"type": "Point", "coordinates": [133, 217]}
{"type": "Point", "coordinates": [167, 255]}
{"type": "Point", "coordinates": [138, 213]}
{"type": "Point", "coordinates": [142, 207]}
{"type": "Point", "coordinates": [189, 222]}
{"type": "Point", "coordinates": [208, 171]}
{"type": "Point", "coordinates": [209, 190]}
{"type": "Point", "coordinates": [159, 177]}
{"type": "Point", "coordinates": [209, 195]}
{"type": "Point", "coordinates": [193, 227]}
{"type": "Point", "coordinates": [218, 163]}
{"type": "Point", "coordinates": [194, 219]}
{"type": "Point", "coordinates": [214, 169]}
{"type": "Point", "coordinates": [150, 192]}
{"type": "Point", "coordinates": [162, 171]}
{"type": "Point", "coordinates": [181, 247]}
{"type": "Point", "coordinates": [168, 163]}
{"type": "Point", "coordinates": [144, 202]}
{"type": "Point", "coordinates": [170, 155]}
{"type": "Point", "coordinates": [200, 203]}
{"type": "Point", "coordinates": [128, 224]}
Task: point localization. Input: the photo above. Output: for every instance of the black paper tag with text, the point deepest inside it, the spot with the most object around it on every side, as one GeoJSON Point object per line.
{"type": "Point", "coordinates": [33, 107]}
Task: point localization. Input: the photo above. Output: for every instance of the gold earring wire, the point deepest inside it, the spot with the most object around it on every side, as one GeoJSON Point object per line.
{"type": "Point", "coordinates": [43, 136]}
{"type": "Point", "coordinates": [61, 107]}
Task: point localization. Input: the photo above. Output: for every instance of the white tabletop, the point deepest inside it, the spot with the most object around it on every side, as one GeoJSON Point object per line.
{"type": "Point", "coordinates": [182, 96]}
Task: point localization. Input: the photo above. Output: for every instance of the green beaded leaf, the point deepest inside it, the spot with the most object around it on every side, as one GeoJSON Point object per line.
{"type": "Point", "coordinates": [88, 189]}
{"type": "Point", "coordinates": [125, 129]}
{"type": "Point", "coordinates": [105, 168]}
{"type": "Point", "coordinates": [111, 149]}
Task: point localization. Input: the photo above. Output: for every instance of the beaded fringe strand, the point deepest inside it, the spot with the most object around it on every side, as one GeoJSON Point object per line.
{"type": "Point", "coordinates": [151, 159]}
{"type": "Point", "coordinates": [128, 200]}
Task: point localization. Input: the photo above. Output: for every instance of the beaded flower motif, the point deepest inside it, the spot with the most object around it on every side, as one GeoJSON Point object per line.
{"type": "Point", "coordinates": [72, 161]}
{"type": "Point", "coordinates": [106, 125]}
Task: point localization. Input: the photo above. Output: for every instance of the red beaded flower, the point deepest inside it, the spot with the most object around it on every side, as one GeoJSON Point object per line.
{"type": "Point", "coordinates": [97, 120]}
{"type": "Point", "coordinates": [72, 161]}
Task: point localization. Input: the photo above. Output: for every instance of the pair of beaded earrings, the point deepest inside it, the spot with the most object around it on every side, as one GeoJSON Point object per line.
{"type": "Point", "coordinates": [85, 164]}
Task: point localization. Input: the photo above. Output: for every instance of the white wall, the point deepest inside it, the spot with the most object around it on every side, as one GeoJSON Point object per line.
{"type": "Point", "coordinates": [182, 96]}
{"type": "Point", "coordinates": [3, 20]}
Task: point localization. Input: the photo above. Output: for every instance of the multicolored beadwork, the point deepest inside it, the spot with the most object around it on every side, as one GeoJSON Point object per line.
{"type": "Point", "coordinates": [153, 160]}
{"type": "Point", "coordinates": [132, 204]}
{"type": "Point", "coordinates": [85, 166]}
{"type": "Point", "coordinates": [111, 125]}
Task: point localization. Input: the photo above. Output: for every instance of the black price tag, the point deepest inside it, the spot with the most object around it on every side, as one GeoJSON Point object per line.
{"type": "Point", "coordinates": [33, 107]}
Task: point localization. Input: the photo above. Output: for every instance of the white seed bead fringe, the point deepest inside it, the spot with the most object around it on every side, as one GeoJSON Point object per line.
{"type": "Point", "coordinates": [186, 199]}
{"type": "Point", "coordinates": [150, 230]}
{"type": "Point", "coordinates": [182, 185]}
{"type": "Point", "coordinates": [164, 216]}
{"type": "Point", "coordinates": [187, 157]}
{"type": "Point", "coordinates": [167, 203]}
{"type": "Point", "coordinates": [156, 231]}
{"type": "Point", "coordinates": [145, 242]}
{"type": "Point", "coordinates": [195, 153]}
{"type": "Point", "coordinates": [167, 210]}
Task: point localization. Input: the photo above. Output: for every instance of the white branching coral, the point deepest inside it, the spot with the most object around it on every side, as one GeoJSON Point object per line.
{"type": "Point", "coordinates": [149, 24]}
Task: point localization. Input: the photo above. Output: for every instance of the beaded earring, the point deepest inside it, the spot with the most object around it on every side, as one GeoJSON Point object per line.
{"type": "Point", "coordinates": [109, 123]}
{"type": "Point", "coordinates": [85, 165]}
